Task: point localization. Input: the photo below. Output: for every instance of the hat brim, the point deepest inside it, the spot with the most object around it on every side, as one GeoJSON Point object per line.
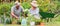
{"type": "Point", "coordinates": [35, 5]}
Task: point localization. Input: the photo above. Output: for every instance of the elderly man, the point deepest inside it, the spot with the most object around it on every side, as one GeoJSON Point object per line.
{"type": "Point", "coordinates": [16, 10]}
{"type": "Point", "coordinates": [34, 11]}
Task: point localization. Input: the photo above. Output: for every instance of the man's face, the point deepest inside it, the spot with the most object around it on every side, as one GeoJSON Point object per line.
{"type": "Point", "coordinates": [33, 8]}
{"type": "Point", "coordinates": [17, 6]}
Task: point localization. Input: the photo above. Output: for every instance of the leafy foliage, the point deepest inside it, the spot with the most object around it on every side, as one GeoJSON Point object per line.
{"type": "Point", "coordinates": [26, 5]}
{"type": "Point", "coordinates": [44, 5]}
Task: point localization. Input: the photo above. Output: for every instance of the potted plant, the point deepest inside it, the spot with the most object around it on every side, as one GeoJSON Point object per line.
{"type": "Point", "coordinates": [41, 22]}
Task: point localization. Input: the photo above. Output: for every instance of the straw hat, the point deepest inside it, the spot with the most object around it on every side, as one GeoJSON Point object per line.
{"type": "Point", "coordinates": [34, 3]}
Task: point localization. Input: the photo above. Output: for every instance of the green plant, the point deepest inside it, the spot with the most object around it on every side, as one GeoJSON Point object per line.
{"type": "Point", "coordinates": [26, 5]}
{"type": "Point", "coordinates": [5, 11]}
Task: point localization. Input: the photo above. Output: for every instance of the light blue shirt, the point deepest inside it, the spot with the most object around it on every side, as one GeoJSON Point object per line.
{"type": "Point", "coordinates": [35, 13]}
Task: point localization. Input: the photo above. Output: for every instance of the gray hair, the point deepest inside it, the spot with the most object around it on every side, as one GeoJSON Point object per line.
{"type": "Point", "coordinates": [17, 3]}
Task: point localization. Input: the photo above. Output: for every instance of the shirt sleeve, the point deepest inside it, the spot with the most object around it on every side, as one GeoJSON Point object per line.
{"type": "Point", "coordinates": [22, 9]}
{"type": "Point", "coordinates": [12, 9]}
{"type": "Point", "coordinates": [37, 11]}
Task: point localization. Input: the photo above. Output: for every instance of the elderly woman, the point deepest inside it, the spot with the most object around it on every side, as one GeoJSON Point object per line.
{"type": "Point", "coordinates": [34, 11]}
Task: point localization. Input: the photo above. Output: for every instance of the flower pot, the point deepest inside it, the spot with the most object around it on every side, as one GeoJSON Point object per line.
{"type": "Point", "coordinates": [14, 22]}
{"type": "Point", "coordinates": [37, 23]}
{"type": "Point", "coordinates": [42, 24]}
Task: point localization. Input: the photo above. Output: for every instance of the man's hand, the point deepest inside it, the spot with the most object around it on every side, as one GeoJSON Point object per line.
{"type": "Point", "coordinates": [12, 13]}
{"type": "Point", "coordinates": [16, 17]}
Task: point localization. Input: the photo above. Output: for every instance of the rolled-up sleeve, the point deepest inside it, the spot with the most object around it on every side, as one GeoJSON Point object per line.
{"type": "Point", "coordinates": [37, 11]}
{"type": "Point", "coordinates": [22, 9]}
{"type": "Point", "coordinates": [12, 9]}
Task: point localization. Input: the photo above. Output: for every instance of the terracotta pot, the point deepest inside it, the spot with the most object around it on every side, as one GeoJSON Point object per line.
{"type": "Point", "coordinates": [14, 22]}
{"type": "Point", "coordinates": [42, 24]}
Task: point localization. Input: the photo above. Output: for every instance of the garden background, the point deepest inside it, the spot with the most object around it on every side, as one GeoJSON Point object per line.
{"type": "Point", "coordinates": [48, 9]}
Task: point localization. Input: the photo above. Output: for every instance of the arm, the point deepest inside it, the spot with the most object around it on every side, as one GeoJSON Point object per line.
{"type": "Point", "coordinates": [12, 12]}
{"type": "Point", "coordinates": [14, 15]}
{"type": "Point", "coordinates": [37, 11]}
{"type": "Point", "coordinates": [22, 11]}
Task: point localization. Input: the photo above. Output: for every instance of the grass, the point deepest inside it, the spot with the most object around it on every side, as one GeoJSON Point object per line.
{"type": "Point", "coordinates": [52, 24]}
{"type": "Point", "coordinates": [56, 23]}
{"type": "Point", "coordinates": [9, 25]}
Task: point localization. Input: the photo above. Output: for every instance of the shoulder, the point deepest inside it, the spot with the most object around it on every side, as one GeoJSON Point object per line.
{"type": "Point", "coordinates": [21, 8]}
{"type": "Point", "coordinates": [12, 7]}
{"type": "Point", "coordinates": [29, 10]}
{"type": "Point", "coordinates": [37, 8]}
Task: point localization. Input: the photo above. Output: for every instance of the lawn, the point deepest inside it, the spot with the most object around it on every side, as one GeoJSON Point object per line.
{"type": "Point", "coordinates": [52, 24]}
{"type": "Point", "coordinates": [56, 23]}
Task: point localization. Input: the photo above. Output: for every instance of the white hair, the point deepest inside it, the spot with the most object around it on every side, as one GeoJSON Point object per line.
{"type": "Point", "coordinates": [17, 3]}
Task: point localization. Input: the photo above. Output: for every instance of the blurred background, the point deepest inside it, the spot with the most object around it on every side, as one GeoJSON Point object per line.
{"type": "Point", "coordinates": [49, 10]}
